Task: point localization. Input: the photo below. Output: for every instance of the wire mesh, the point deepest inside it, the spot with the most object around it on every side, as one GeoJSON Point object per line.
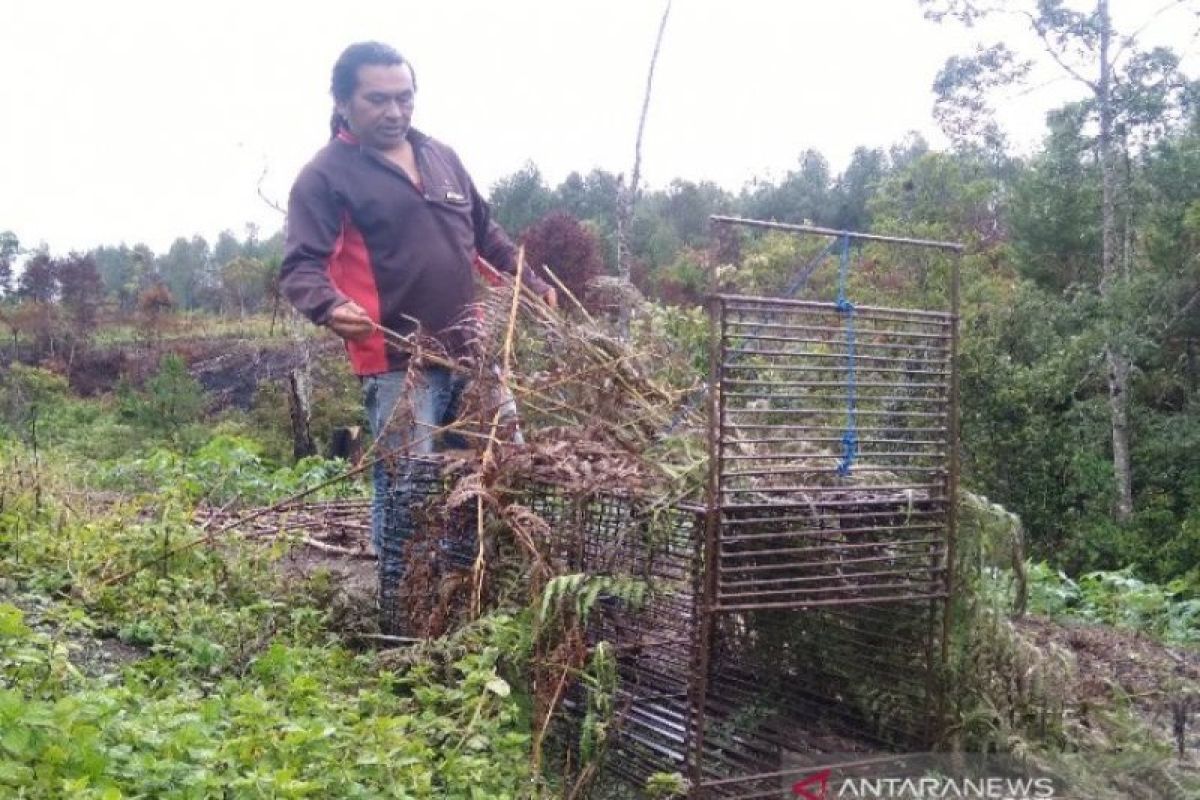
{"type": "Point", "coordinates": [601, 534]}
{"type": "Point", "coordinates": [614, 535]}
{"type": "Point", "coordinates": [422, 547]}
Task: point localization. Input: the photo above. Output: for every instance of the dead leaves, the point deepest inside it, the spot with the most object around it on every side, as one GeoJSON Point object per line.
{"type": "Point", "coordinates": [580, 462]}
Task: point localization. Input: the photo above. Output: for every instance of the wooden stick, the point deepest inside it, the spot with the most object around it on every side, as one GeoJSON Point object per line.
{"type": "Point", "coordinates": [541, 736]}
{"type": "Point", "coordinates": [339, 551]}
{"type": "Point", "coordinates": [487, 458]}
{"type": "Point", "coordinates": [569, 294]}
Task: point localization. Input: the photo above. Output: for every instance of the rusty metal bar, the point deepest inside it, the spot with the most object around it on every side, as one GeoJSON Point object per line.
{"type": "Point", "coordinates": [834, 588]}
{"type": "Point", "coordinates": [801, 456]}
{"type": "Point", "coordinates": [895, 487]}
{"type": "Point", "coordinates": [831, 575]}
{"type": "Point", "coordinates": [839, 356]}
{"type": "Point", "coordinates": [828, 396]}
{"type": "Point", "coordinates": [753, 304]}
{"type": "Point", "coordinates": [840, 369]}
{"type": "Point", "coordinates": [831, 384]}
{"type": "Point", "coordinates": [835, 354]}
{"type": "Point", "coordinates": [847, 601]}
{"type": "Point", "coordinates": [893, 506]}
{"type": "Point", "coordinates": [828, 541]}
{"type": "Point", "coordinates": [834, 595]}
{"type": "Point", "coordinates": [859, 469]}
{"type": "Point", "coordinates": [952, 477]}
{"type": "Point", "coordinates": [923, 555]}
{"type": "Point", "coordinates": [807, 533]}
{"type": "Point", "coordinates": [868, 429]}
{"type": "Point", "coordinates": [897, 548]}
{"type": "Point", "coordinates": [809, 518]}
{"type": "Point", "coordinates": [798, 361]}
{"type": "Point", "coordinates": [808, 509]}
{"type": "Point", "coordinates": [830, 439]}
{"type": "Point", "coordinates": [833, 330]}
{"type": "Point", "coordinates": [698, 685]}
{"type": "Point", "coordinates": [793, 566]}
{"type": "Point", "coordinates": [908, 348]}
{"type": "Point", "coordinates": [835, 411]}
{"type": "Point", "coordinates": [832, 232]}
{"type": "Point", "coordinates": [933, 352]}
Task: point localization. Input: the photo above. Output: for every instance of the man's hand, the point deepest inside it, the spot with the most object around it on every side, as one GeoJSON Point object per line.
{"type": "Point", "coordinates": [551, 297]}
{"type": "Point", "coordinates": [350, 321]}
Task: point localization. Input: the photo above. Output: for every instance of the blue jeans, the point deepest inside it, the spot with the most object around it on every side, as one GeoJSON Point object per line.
{"type": "Point", "coordinates": [401, 482]}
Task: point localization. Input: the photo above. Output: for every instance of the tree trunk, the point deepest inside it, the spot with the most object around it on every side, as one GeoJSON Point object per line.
{"type": "Point", "coordinates": [300, 392]}
{"type": "Point", "coordinates": [624, 216]}
{"type": "Point", "coordinates": [300, 410]}
{"type": "Point", "coordinates": [1119, 366]}
{"type": "Point", "coordinates": [626, 195]}
{"type": "Point", "coordinates": [1127, 200]}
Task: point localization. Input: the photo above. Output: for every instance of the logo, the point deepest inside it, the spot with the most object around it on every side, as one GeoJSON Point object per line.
{"type": "Point", "coordinates": [817, 787]}
{"type": "Point", "coordinates": [813, 787]}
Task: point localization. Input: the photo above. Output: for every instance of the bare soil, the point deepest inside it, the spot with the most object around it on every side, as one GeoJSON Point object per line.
{"type": "Point", "coordinates": [1113, 666]}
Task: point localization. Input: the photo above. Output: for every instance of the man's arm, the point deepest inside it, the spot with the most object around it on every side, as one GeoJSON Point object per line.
{"type": "Point", "coordinates": [313, 227]}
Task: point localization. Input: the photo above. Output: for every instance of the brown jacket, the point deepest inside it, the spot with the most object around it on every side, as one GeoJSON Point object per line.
{"type": "Point", "coordinates": [359, 229]}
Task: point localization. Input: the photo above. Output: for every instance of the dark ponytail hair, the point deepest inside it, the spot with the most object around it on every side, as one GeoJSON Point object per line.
{"type": "Point", "coordinates": [336, 123]}
{"type": "Point", "coordinates": [345, 73]}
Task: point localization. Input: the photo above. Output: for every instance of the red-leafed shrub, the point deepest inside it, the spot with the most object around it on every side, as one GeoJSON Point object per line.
{"type": "Point", "coordinates": [568, 247]}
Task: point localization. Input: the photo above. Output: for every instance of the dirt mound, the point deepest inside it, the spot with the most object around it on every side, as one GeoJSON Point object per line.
{"type": "Point", "coordinates": [1114, 665]}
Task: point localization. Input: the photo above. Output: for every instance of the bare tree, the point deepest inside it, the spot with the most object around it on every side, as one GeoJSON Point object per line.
{"type": "Point", "coordinates": [627, 193]}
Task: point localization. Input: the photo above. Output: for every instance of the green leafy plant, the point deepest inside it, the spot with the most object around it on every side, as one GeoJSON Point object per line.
{"type": "Point", "coordinates": [665, 785]}
{"type": "Point", "coordinates": [1117, 597]}
{"type": "Point", "coordinates": [579, 592]}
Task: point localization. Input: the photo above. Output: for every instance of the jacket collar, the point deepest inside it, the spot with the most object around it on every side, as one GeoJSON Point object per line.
{"type": "Point", "coordinates": [415, 136]}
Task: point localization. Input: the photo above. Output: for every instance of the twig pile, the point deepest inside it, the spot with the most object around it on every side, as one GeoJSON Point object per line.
{"type": "Point", "coordinates": [337, 527]}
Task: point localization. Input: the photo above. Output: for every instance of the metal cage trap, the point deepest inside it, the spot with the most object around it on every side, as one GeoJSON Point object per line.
{"type": "Point", "coordinates": [799, 617]}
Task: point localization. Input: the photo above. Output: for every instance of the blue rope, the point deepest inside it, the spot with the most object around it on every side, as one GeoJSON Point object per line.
{"type": "Point", "coordinates": [846, 308]}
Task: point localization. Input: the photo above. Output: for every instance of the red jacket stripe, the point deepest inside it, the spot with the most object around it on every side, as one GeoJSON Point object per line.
{"type": "Point", "coordinates": [351, 271]}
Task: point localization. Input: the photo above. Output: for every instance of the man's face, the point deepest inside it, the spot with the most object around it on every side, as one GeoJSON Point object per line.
{"type": "Point", "coordinates": [380, 110]}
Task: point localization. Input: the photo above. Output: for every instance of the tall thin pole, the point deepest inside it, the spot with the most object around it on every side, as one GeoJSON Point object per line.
{"type": "Point", "coordinates": [627, 194]}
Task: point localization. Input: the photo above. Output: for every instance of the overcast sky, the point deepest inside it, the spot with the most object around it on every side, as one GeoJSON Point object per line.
{"type": "Point", "coordinates": [132, 121]}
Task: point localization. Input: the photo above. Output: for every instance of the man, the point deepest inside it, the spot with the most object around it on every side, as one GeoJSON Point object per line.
{"type": "Point", "coordinates": [384, 227]}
